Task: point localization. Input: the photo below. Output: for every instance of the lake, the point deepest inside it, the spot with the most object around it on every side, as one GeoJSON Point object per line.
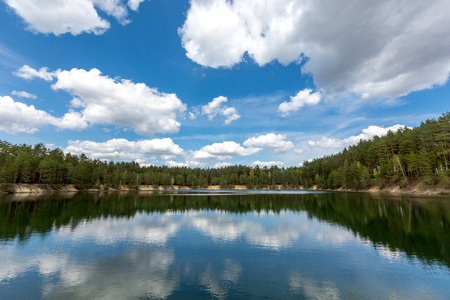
{"type": "Point", "coordinates": [225, 245]}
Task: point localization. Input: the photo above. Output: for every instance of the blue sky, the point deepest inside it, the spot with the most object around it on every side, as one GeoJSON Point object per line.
{"type": "Point", "coordinates": [211, 83]}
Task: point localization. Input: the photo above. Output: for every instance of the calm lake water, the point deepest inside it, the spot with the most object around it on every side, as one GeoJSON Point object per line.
{"type": "Point", "coordinates": [200, 245]}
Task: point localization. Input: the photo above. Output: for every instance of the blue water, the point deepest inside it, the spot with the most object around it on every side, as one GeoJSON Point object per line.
{"type": "Point", "coordinates": [225, 246]}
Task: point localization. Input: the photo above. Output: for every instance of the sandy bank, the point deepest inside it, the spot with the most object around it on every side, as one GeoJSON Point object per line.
{"type": "Point", "coordinates": [394, 190]}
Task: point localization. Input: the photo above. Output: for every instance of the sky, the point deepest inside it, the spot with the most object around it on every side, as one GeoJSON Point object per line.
{"type": "Point", "coordinates": [212, 83]}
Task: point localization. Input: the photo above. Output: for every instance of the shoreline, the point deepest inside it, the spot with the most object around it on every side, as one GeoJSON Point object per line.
{"type": "Point", "coordinates": [35, 189]}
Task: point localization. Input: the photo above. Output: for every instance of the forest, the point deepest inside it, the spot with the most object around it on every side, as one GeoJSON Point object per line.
{"type": "Point", "coordinates": [409, 157]}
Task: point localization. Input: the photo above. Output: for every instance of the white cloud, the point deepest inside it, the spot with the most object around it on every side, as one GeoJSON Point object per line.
{"type": "Point", "coordinates": [23, 94]}
{"type": "Point", "coordinates": [299, 151]}
{"type": "Point", "coordinates": [72, 120]}
{"type": "Point", "coordinates": [77, 103]}
{"type": "Point", "coordinates": [104, 100]}
{"type": "Point", "coordinates": [222, 165]}
{"type": "Point", "coordinates": [114, 8]}
{"type": "Point", "coordinates": [134, 4]}
{"type": "Point", "coordinates": [215, 108]}
{"type": "Point", "coordinates": [63, 16]}
{"type": "Point", "coordinates": [71, 16]}
{"type": "Point", "coordinates": [122, 149]}
{"type": "Point", "coordinates": [267, 163]}
{"type": "Point", "coordinates": [17, 117]}
{"type": "Point", "coordinates": [327, 143]}
{"type": "Point", "coordinates": [270, 141]}
{"type": "Point", "coordinates": [109, 101]}
{"type": "Point", "coordinates": [168, 157]}
{"type": "Point", "coordinates": [222, 151]}
{"type": "Point", "coordinates": [304, 97]}
{"type": "Point", "coordinates": [213, 34]}
{"type": "Point", "coordinates": [367, 134]}
{"type": "Point", "coordinates": [192, 115]}
{"type": "Point", "coordinates": [371, 48]}
{"type": "Point", "coordinates": [163, 146]}
{"type": "Point", "coordinates": [26, 72]}
{"type": "Point", "coordinates": [174, 164]}
{"type": "Point", "coordinates": [188, 163]}
{"type": "Point", "coordinates": [230, 114]}
{"type": "Point", "coordinates": [214, 152]}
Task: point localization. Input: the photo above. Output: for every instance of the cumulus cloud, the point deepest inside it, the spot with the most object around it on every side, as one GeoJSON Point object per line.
{"type": "Point", "coordinates": [304, 97]}
{"type": "Point", "coordinates": [299, 151]}
{"type": "Point", "coordinates": [71, 16]}
{"type": "Point", "coordinates": [230, 114]}
{"type": "Point", "coordinates": [59, 17]}
{"type": "Point", "coordinates": [192, 115]}
{"type": "Point", "coordinates": [371, 48]}
{"type": "Point", "coordinates": [214, 152]}
{"type": "Point", "coordinates": [77, 103]}
{"type": "Point", "coordinates": [134, 4]}
{"type": "Point", "coordinates": [104, 100]}
{"type": "Point", "coordinates": [109, 101]}
{"type": "Point", "coordinates": [214, 34]}
{"type": "Point", "coordinates": [230, 149]}
{"type": "Point", "coordinates": [367, 134]}
{"type": "Point", "coordinates": [270, 141]}
{"type": "Point", "coordinates": [72, 120]}
{"type": "Point", "coordinates": [17, 117]}
{"type": "Point", "coordinates": [222, 151]}
{"type": "Point", "coordinates": [23, 94]}
{"type": "Point", "coordinates": [215, 108]}
{"type": "Point", "coordinates": [188, 163]}
{"type": "Point", "coordinates": [267, 163]}
{"type": "Point", "coordinates": [114, 8]}
{"type": "Point", "coordinates": [26, 72]}
{"type": "Point", "coordinates": [326, 142]}
{"type": "Point", "coordinates": [222, 165]}
{"type": "Point", "coordinates": [122, 149]}
{"type": "Point", "coordinates": [174, 164]}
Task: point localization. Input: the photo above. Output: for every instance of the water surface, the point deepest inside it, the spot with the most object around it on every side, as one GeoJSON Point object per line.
{"type": "Point", "coordinates": [200, 245]}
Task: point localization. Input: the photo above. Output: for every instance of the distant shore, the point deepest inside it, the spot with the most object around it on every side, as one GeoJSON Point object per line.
{"type": "Point", "coordinates": [394, 190]}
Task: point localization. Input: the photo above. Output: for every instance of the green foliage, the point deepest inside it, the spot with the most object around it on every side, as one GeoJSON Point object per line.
{"type": "Point", "coordinates": [419, 155]}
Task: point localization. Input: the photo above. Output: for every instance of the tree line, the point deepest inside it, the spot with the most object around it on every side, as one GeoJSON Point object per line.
{"type": "Point", "coordinates": [407, 157]}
